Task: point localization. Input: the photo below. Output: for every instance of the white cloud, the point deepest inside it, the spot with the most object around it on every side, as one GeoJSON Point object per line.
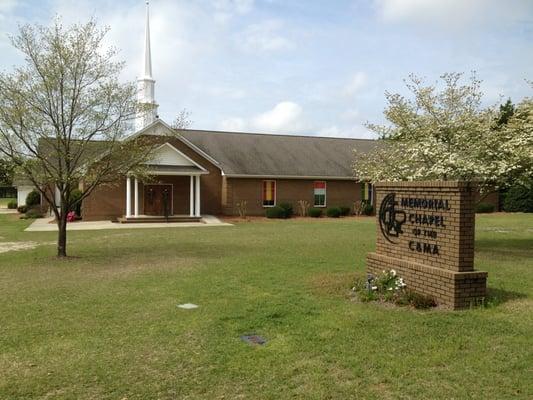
{"type": "Point", "coordinates": [224, 92]}
{"type": "Point", "coordinates": [289, 117]}
{"type": "Point", "coordinates": [352, 114]}
{"type": "Point", "coordinates": [284, 117]}
{"type": "Point", "coordinates": [7, 6]}
{"type": "Point", "coordinates": [227, 9]}
{"type": "Point", "coordinates": [266, 36]}
{"type": "Point", "coordinates": [355, 84]}
{"type": "Point", "coordinates": [353, 131]}
{"type": "Point", "coordinates": [234, 6]}
{"type": "Point", "coordinates": [330, 131]}
{"type": "Point", "coordinates": [454, 13]}
{"type": "Point", "coordinates": [7, 26]}
{"type": "Point", "coordinates": [232, 124]}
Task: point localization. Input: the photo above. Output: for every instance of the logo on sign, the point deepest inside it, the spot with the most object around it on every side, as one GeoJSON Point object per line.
{"type": "Point", "coordinates": [390, 218]}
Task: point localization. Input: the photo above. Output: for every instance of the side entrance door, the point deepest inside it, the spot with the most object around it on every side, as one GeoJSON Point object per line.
{"type": "Point", "coordinates": [158, 199]}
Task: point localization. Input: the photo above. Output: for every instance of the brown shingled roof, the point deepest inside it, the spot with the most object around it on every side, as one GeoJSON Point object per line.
{"type": "Point", "coordinates": [279, 155]}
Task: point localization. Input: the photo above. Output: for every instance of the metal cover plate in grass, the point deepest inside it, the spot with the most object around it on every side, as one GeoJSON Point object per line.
{"type": "Point", "coordinates": [254, 339]}
{"type": "Point", "coordinates": [188, 306]}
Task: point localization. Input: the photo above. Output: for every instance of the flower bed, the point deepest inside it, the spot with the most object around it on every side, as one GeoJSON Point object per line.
{"type": "Point", "coordinates": [389, 287]}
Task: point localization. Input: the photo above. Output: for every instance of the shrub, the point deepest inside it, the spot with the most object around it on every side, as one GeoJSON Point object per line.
{"type": "Point", "coordinates": [12, 205]}
{"type": "Point", "coordinates": [363, 292]}
{"type": "Point", "coordinates": [345, 211]}
{"type": "Point", "coordinates": [303, 207]}
{"type": "Point", "coordinates": [22, 209]}
{"type": "Point", "coordinates": [358, 207]}
{"type": "Point", "coordinates": [333, 212]}
{"type": "Point", "coordinates": [75, 197]}
{"type": "Point", "coordinates": [484, 208]}
{"type": "Point", "coordinates": [519, 199]}
{"type": "Point", "coordinates": [390, 287]}
{"type": "Point", "coordinates": [242, 207]}
{"type": "Point", "coordinates": [71, 216]}
{"type": "Point", "coordinates": [33, 198]}
{"type": "Point", "coordinates": [34, 213]}
{"type": "Point", "coordinates": [287, 208]}
{"type": "Point", "coordinates": [367, 209]}
{"type": "Point", "coordinates": [386, 287]}
{"type": "Point", "coordinates": [315, 212]}
{"type": "Point", "coordinates": [275, 212]}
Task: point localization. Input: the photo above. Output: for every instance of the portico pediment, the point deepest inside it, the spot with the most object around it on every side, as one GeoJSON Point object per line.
{"type": "Point", "coordinates": [168, 157]}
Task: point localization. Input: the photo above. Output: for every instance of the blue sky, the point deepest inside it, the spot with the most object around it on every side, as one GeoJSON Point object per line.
{"type": "Point", "coordinates": [300, 66]}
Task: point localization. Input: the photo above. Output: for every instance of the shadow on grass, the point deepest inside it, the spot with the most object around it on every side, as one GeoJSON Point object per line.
{"type": "Point", "coordinates": [519, 250]}
{"type": "Point", "coordinates": [518, 247]}
{"type": "Point", "coordinates": [336, 284]}
{"type": "Point", "coordinates": [499, 296]}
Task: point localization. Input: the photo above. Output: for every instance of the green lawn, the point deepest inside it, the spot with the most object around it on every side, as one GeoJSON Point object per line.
{"type": "Point", "coordinates": [105, 325]}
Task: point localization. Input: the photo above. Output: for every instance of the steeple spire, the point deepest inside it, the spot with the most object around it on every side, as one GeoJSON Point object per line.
{"type": "Point", "coordinates": [147, 49]}
{"type": "Point", "coordinates": [146, 83]}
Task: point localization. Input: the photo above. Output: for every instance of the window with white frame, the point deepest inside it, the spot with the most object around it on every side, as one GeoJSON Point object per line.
{"type": "Point", "coordinates": [269, 193]}
{"type": "Point", "coordinates": [319, 192]}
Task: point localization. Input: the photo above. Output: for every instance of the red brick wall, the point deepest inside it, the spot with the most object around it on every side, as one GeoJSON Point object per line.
{"type": "Point", "coordinates": [434, 248]}
{"type": "Point", "coordinates": [454, 241]}
{"type": "Point", "coordinates": [338, 193]}
{"type": "Point", "coordinates": [109, 202]}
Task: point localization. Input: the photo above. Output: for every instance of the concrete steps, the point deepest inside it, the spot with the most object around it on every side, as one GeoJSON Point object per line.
{"type": "Point", "coordinates": [152, 219]}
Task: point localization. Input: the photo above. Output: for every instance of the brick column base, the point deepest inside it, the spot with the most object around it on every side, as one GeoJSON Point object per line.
{"type": "Point", "coordinates": [451, 289]}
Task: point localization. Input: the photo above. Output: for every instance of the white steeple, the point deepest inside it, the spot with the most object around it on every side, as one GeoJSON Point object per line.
{"type": "Point", "coordinates": [146, 83]}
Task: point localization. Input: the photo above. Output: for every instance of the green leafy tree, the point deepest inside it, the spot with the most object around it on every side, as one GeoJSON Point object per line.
{"type": "Point", "coordinates": [65, 116]}
{"type": "Point", "coordinates": [445, 134]}
{"type": "Point", "coordinates": [506, 112]}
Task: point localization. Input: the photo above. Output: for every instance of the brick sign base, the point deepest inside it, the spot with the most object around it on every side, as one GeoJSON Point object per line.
{"type": "Point", "coordinates": [425, 231]}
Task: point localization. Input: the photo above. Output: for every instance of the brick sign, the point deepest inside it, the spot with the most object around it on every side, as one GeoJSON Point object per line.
{"type": "Point", "coordinates": [425, 231]}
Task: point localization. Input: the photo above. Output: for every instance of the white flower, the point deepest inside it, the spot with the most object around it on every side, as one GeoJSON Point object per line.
{"type": "Point", "coordinates": [374, 288]}
{"type": "Point", "coordinates": [393, 272]}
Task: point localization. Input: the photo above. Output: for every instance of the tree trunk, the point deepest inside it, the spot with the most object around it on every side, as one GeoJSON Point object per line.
{"type": "Point", "coordinates": [62, 234]}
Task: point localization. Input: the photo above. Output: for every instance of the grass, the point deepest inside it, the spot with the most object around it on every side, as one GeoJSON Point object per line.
{"type": "Point", "coordinates": [105, 325]}
{"type": "Point", "coordinates": [4, 201]}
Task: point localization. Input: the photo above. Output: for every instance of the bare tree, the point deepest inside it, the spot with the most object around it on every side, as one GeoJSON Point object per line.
{"type": "Point", "coordinates": [182, 120]}
{"type": "Point", "coordinates": [65, 117]}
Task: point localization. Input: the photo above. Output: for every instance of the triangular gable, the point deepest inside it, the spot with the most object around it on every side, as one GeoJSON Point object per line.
{"type": "Point", "coordinates": [168, 155]}
{"type": "Point", "coordinates": [156, 128]}
{"type": "Point", "coordinates": [160, 128]}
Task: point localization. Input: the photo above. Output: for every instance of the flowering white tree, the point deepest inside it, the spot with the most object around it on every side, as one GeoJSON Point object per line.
{"type": "Point", "coordinates": [447, 135]}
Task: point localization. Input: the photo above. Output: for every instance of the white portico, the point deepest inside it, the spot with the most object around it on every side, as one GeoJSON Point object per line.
{"type": "Point", "coordinates": [173, 190]}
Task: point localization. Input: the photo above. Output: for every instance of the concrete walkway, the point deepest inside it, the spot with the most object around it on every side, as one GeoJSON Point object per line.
{"type": "Point", "coordinates": [47, 225]}
{"type": "Point", "coordinates": [7, 211]}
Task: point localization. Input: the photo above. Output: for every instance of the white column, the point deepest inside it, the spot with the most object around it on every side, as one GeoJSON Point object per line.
{"type": "Point", "coordinates": [128, 197]}
{"type": "Point", "coordinates": [197, 196]}
{"type": "Point", "coordinates": [136, 197]}
{"type": "Point", "coordinates": [191, 195]}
